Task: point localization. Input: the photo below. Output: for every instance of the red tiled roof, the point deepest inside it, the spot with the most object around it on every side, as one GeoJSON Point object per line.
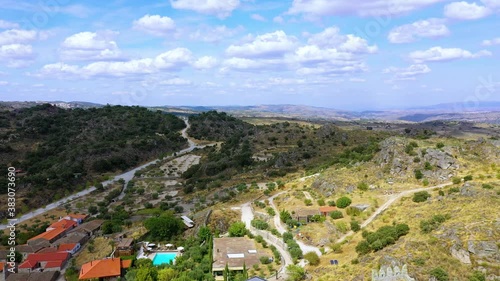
{"type": "Point", "coordinates": [101, 269]}
{"type": "Point", "coordinates": [54, 264]}
{"type": "Point", "coordinates": [28, 264]}
{"type": "Point", "coordinates": [78, 216]}
{"type": "Point", "coordinates": [49, 235]}
{"type": "Point", "coordinates": [66, 247]}
{"type": "Point", "coordinates": [327, 209]}
{"type": "Point", "coordinates": [126, 263]}
{"type": "Point", "coordinates": [40, 257]}
{"type": "Point", "coordinates": [1, 266]}
{"type": "Point", "coordinates": [64, 224]}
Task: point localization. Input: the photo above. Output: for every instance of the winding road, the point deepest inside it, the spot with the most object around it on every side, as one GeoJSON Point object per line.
{"type": "Point", "coordinates": [127, 176]}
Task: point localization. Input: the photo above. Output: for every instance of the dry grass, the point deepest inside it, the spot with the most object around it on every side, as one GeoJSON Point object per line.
{"type": "Point", "coordinates": [102, 249]}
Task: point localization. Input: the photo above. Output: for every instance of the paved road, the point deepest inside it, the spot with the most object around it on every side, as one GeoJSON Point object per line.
{"type": "Point", "coordinates": [389, 202]}
{"type": "Point", "coordinates": [127, 176]}
{"type": "Point", "coordinates": [247, 217]}
{"type": "Point", "coordinates": [281, 229]}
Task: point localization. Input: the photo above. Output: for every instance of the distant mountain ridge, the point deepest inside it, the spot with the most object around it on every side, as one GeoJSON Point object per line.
{"type": "Point", "coordinates": [481, 112]}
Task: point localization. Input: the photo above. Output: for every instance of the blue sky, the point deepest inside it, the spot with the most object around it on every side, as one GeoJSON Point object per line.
{"type": "Point", "coordinates": [332, 53]}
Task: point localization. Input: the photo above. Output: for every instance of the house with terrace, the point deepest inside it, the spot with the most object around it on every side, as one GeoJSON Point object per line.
{"type": "Point", "coordinates": [236, 253]}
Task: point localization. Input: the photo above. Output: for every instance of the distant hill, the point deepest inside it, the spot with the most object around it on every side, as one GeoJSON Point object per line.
{"type": "Point", "coordinates": [60, 150]}
{"type": "Point", "coordinates": [482, 112]}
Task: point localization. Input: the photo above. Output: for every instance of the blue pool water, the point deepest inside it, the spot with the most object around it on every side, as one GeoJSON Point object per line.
{"type": "Point", "coordinates": [162, 258]}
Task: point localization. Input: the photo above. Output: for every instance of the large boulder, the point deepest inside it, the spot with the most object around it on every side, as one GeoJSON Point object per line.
{"type": "Point", "coordinates": [460, 254]}
{"type": "Point", "coordinates": [441, 159]}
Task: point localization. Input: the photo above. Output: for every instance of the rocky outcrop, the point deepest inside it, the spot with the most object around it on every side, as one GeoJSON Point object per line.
{"type": "Point", "coordinates": [484, 250]}
{"type": "Point", "coordinates": [391, 274]}
{"type": "Point", "coordinates": [460, 254]}
{"type": "Point", "coordinates": [440, 159]}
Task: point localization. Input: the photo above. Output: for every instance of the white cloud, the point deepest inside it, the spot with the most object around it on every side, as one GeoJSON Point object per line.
{"type": "Point", "coordinates": [174, 59]}
{"type": "Point", "coordinates": [14, 36]}
{"type": "Point", "coordinates": [4, 83]}
{"type": "Point", "coordinates": [492, 42]}
{"type": "Point", "coordinates": [240, 64]}
{"type": "Point", "coordinates": [408, 73]}
{"type": "Point", "coordinates": [407, 33]}
{"type": "Point", "coordinates": [170, 61]}
{"type": "Point", "coordinates": [268, 45]}
{"type": "Point", "coordinates": [90, 46]}
{"type": "Point", "coordinates": [219, 8]}
{"type": "Point", "coordinates": [359, 8]}
{"type": "Point", "coordinates": [176, 82]}
{"type": "Point", "coordinates": [445, 54]}
{"type": "Point", "coordinates": [466, 11]}
{"type": "Point", "coordinates": [205, 62]}
{"type": "Point", "coordinates": [278, 19]}
{"type": "Point", "coordinates": [8, 25]}
{"type": "Point", "coordinates": [331, 38]}
{"type": "Point", "coordinates": [17, 55]}
{"type": "Point", "coordinates": [357, 80]}
{"type": "Point", "coordinates": [214, 34]}
{"type": "Point", "coordinates": [155, 25]}
{"type": "Point", "coordinates": [258, 17]}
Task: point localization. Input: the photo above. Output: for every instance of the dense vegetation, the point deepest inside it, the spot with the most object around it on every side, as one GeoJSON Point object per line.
{"type": "Point", "coordinates": [384, 236]}
{"type": "Point", "coordinates": [63, 150]}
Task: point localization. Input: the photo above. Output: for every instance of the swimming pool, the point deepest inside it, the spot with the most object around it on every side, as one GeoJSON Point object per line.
{"type": "Point", "coordinates": [163, 258]}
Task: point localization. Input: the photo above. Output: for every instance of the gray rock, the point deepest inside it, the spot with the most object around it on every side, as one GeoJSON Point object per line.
{"type": "Point", "coordinates": [484, 249]}
{"type": "Point", "coordinates": [460, 254]}
{"type": "Point", "coordinates": [466, 190]}
{"type": "Point", "coordinates": [362, 207]}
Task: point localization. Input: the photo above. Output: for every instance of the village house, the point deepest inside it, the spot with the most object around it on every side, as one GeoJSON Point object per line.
{"type": "Point", "coordinates": [125, 247]}
{"type": "Point", "coordinates": [304, 215]}
{"type": "Point", "coordinates": [106, 269]}
{"type": "Point", "coordinates": [78, 218]}
{"type": "Point", "coordinates": [327, 210]}
{"type": "Point", "coordinates": [34, 276]}
{"type": "Point", "coordinates": [235, 252]}
{"type": "Point", "coordinates": [64, 224]}
{"type": "Point", "coordinates": [44, 261]}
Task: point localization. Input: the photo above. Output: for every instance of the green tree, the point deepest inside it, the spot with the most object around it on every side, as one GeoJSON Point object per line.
{"type": "Point", "coordinates": [312, 258]}
{"type": "Point", "coordinates": [355, 226]}
{"type": "Point", "coordinates": [421, 196]}
{"type": "Point", "coordinates": [343, 202]}
{"type": "Point", "coordinates": [285, 216]}
{"type": "Point", "coordinates": [440, 274]}
{"type": "Point", "coordinates": [363, 186]}
{"type": "Point", "coordinates": [336, 215]}
{"type": "Point", "coordinates": [295, 273]}
{"type": "Point", "coordinates": [418, 174]}
{"type": "Point", "coordinates": [164, 227]}
{"type": "Point", "coordinates": [147, 273]}
{"type": "Point", "coordinates": [237, 229]}
{"type": "Point", "coordinates": [166, 274]}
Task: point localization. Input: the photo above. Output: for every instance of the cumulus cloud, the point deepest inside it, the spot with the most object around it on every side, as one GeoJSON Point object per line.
{"type": "Point", "coordinates": [492, 42]}
{"type": "Point", "coordinates": [214, 34]}
{"type": "Point", "coordinates": [360, 8]}
{"type": "Point", "coordinates": [175, 82]}
{"type": "Point", "coordinates": [269, 45]}
{"type": "Point", "coordinates": [205, 62]}
{"type": "Point", "coordinates": [431, 28]}
{"type": "Point", "coordinates": [331, 38]}
{"type": "Point", "coordinates": [155, 25]}
{"type": "Point", "coordinates": [408, 73]}
{"type": "Point", "coordinates": [91, 46]}
{"type": "Point", "coordinates": [219, 8]}
{"type": "Point", "coordinates": [258, 17]}
{"type": "Point", "coordinates": [170, 61]}
{"type": "Point", "coordinates": [437, 54]}
{"type": "Point", "coordinates": [8, 25]}
{"type": "Point", "coordinates": [466, 11]}
{"type": "Point", "coordinates": [13, 36]}
{"type": "Point", "coordinates": [16, 55]}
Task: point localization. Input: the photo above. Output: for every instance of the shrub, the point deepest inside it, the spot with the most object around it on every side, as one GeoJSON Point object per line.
{"type": "Point", "coordinates": [336, 215]}
{"type": "Point", "coordinates": [265, 260]}
{"type": "Point", "coordinates": [353, 212]}
{"type": "Point", "coordinates": [441, 193]}
{"type": "Point", "coordinates": [312, 258]}
{"type": "Point", "coordinates": [418, 174]}
{"type": "Point", "coordinates": [427, 226]}
{"type": "Point", "coordinates": [343, 202]}
{"type": "Point", "coordinates": [237, 229]}
{"type": "Point", "coordinates": [386, 235]}
{"type": "Point", "coordinates": [453, 190]}
{"type": "Point", "coordinates": [363, 186]}
{"type": "Point", "coordinates": [331, 203]}
{"type": "Point", "coordinates": [468, 178]}
{"type": "Point", "coordinates": [421, 196]}
{"type": "Point", "coordinates": [416, 160]}
{"type": "Point", "coordinates": [260, 224]}
{"type": "Point", "coordinates": [477, 276]}
{"type": "Point", "coordinates": [428, 166]}
{"type": "Point", "coordinates": [487, 186]}
{"type": "Point", "coordinates": [440, 274]}
{"type": "Point", "coordinates": [355, 226]}
{"type": "Point", "coordinates": [321, 202]}
{"type": "Point", "coordinates": [271, 211]}
{"type": "Point", "coordinates": [440, 145]}
{"type": "Point", "coordinates": [363, 247]}
{"type": "Point", "coordinates": [308, 202]}
{"type": "Point", "coordinates": [425, 182]}
{"type": "Point", "coordinates": [456, 180]}
{"type": "Point", "coordinates": [317, 218]}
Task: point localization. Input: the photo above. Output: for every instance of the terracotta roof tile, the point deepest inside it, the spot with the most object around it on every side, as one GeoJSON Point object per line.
{"type": "Point", "coordinates": [64, 224]}
{"type": "Point", "coordinates": [49, 235]}
{"type": "Point", "coordinates": [101, 269]}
